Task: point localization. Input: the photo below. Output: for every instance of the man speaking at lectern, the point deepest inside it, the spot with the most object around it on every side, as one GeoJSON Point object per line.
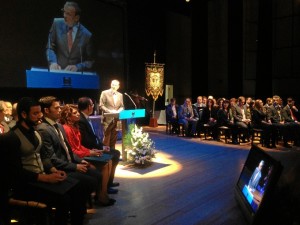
{"type": "Point", "coordinates": [69, 44]}
{"type": "Point", "coordinates": [111, 101]}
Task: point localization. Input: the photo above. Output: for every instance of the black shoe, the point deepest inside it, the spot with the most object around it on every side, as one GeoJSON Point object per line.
{"type": "Point", "coordinates": [112, 191]}
{"type": "Point", "coordinates": [115, 184]}
{"type": "Point", "coordinates": [112, 200]}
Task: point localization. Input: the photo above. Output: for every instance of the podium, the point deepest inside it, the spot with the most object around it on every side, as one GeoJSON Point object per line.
{"type": "Point", "coordinates": [42, 78]}
{"type": "Point", "coordinates": [124, 115]}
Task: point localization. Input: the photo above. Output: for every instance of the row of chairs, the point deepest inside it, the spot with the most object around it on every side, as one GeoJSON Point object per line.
{"type": "Point", "coordinates": [225, 132]}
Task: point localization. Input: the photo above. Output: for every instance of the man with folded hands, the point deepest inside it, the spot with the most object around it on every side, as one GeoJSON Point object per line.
{"type": "Point", "coordinates": [90, 140]}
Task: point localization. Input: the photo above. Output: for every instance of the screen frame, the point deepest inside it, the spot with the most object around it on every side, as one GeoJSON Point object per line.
{"type": "Point", "coordinates": [257, 154]}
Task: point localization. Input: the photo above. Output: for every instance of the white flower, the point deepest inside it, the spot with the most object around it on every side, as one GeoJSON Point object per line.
{"type": "Point", "coordinates": [141, 147]}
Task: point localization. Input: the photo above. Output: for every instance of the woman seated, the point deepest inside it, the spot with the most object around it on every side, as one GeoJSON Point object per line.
{"type": "Point", "coordinates": [209, 117]}
{"type": "Point", "coordinates": [69, 118]}
{"type": "Point", "coordinates": [224, 118]}
{"type": "Point", "coordinates": [259, 120]}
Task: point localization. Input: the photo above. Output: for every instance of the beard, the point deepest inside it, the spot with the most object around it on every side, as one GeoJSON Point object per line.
{"type": "Point", "coordinates": [30, 123]}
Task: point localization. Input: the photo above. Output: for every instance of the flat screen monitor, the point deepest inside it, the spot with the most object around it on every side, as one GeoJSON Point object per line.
{"type": "Point", "coordinates": [256, 183]}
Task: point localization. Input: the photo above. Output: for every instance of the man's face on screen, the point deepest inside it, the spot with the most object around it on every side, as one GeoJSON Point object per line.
{"type": "Point", "coordinates": [70, 16]}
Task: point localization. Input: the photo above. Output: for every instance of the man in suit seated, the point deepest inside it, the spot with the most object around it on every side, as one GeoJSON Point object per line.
{"type": "Point", "coordinates": [56, 151]}
{"type": "Point", "coordinates": [288, 114]}
{"type": "Point", "coordinates": [172, 115]}
{"type": "Point", "coordinates": [90, 140]}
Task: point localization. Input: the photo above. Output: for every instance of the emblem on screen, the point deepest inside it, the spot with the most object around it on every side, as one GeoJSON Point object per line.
{"type": "Point", "coordinates": [67, 82]}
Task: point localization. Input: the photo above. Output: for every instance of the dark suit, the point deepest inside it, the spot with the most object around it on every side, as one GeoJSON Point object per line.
{"type": "Point", "coordinates": [274, 115]}
{"type": "Point", "coordinates": [238, 117]}
{"type": "Point", "coordinates": [259, 120]}
{"type": "Point", "coordinates": [294, 126]}
{"type": "Point", "coordinates": [54, 154]}
{"type": "Point", "coordinates": [171, 118]}
{"type": "Point", "coordinates": [90, 141]}
{"type": "Point", "coordinates": [81, 53]}
{"type": "Point", "coordinates": [207, 115]}
{"type": "Point", "coordinates": [223, 119]}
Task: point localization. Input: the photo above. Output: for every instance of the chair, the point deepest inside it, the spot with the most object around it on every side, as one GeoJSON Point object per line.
{"type": "Point", "coordinates": [181, 130]}
{"type": "Point", "coordinates": [225, 131]}
{"type": "Point", "coordinates": [206, 130]}
{"type": "Point", "coordinates": [257, 135]}
{"type": "Point", "coordinates": [168, 127]}
{"type": "Point", "coordinates": [30, 212]}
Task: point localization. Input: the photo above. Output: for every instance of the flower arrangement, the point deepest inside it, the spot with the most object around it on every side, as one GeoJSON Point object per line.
{"type": "Point", "coordinates": [139, 147]}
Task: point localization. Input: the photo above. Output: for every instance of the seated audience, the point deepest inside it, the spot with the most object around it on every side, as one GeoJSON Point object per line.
{"type": "Point", "coordinates": [259, 120]}
{"type": "Point", "coordinates": [274, 117]}
{"type": "Point", "coordinates": [172, 115]}
{"type": "Point", "coordinates": [199, 106]}
{"type": "Point", "coordinates": [4, 128]}
{"type": "Point", "coordinates": [288, 114]}
{"type": "Point", "coordinates": [90, 140]}
{"type": "Point", "coordinates": [242, 118]}
{"type": "Point", "coordinates": [25, 144]}
{"type": "Point", "coordinates": [57, 154]}
{"type": "Point", "coordinates": [209, 117]}
{"type": "Point", "coordinates": [14, 116]}
{"type": "Point", "coordinates": [188, 116]}
{"type": "Point", "coordinates": [69, 118]}
{"type": "Point", "coordinates": [224, 118]}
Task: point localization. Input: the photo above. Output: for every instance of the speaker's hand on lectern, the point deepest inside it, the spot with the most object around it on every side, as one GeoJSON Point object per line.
{"type": "Point", "coordinates": [55, 66]}
{"type": "Point", "coordinates": [72, 68]}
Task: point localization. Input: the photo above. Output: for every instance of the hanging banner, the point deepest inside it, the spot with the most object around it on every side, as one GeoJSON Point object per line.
{"type": "Point", "coordinates": [154, 79]}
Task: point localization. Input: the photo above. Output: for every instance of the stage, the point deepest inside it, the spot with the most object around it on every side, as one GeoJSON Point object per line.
{"type": "Point", "coordinates": [191, 182]}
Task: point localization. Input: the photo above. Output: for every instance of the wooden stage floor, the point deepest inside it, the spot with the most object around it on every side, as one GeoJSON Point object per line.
{"type": "Point", "coordinates": [191, 182]}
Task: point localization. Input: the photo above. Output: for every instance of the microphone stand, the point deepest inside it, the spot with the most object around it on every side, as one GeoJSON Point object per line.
{"type": "Point", "coordinates": [48, 52]}
{"type": "Point", "coordinates": [130, 99]}
{"type": "Point", "coordinates": [81, 60]}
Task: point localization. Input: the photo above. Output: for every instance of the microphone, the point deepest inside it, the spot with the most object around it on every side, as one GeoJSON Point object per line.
{"type": "Point", "coordinates": [130, 99]}
{"type": "Point", "coordinates": [144, 99]}
{"type": "Point", "coordinates": [81, 60]}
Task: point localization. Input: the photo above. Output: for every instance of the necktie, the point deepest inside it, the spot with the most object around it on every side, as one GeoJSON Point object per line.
{"type": "Point", "coordinates": [91, 124]}
{"type": "Point", "coordinates": [61, 138]}
{"type": "Point", "coordinates": [70, 39]}
{"type": "Point", "coordinates": [292, 115]}
{"type": "Point", "coordinates": [115, 97]}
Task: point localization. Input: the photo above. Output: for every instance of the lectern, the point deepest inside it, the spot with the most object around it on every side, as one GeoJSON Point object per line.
{"type": "Point", "coordinates": [124, 116]}
{"type": "Point", "coordinates": [42, 78]}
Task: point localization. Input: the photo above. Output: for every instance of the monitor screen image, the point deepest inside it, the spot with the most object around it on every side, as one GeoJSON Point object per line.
{"type": "Point", "coordinates": [256, 181]}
